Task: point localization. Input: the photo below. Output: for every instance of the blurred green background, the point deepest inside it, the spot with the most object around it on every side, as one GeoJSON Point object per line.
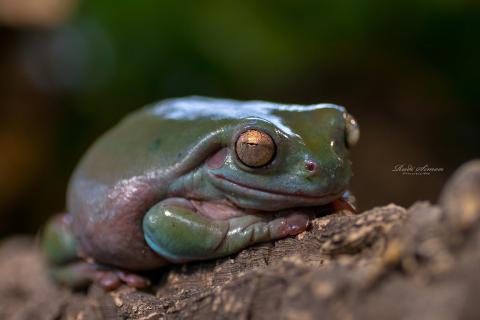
{"type": "Point", "coordinates": [408, 70]}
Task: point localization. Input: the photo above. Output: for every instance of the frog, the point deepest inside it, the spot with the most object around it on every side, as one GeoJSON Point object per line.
{"type": "Point", "coordinates": [196, 178]}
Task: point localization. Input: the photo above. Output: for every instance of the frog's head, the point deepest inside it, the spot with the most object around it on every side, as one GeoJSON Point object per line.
{"type": "Point", "coordinates": [292, 158]}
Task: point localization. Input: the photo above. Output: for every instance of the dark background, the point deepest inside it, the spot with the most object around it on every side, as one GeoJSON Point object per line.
{"type": "Point", "coordinates": [408, 70]}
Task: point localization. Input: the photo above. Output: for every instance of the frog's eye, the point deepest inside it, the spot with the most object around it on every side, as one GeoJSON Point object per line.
{"type": "Point", "coordinates": [255, 148]}
{"type": "Point", "coordinates": [352, 130]}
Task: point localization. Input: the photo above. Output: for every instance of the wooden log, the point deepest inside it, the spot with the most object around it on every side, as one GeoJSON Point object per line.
{"type": "Point", "coordinates": [385, 263]}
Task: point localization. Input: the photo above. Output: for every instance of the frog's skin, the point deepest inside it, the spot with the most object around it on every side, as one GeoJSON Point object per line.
{"type": "Point", "coordinates": [167, 186]}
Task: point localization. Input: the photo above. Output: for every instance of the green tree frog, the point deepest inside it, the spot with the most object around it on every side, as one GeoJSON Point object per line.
{"type": "Point", "coordinates": [193, 179]}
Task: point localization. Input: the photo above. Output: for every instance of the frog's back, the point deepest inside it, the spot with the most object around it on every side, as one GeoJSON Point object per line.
{"type": "Point", "coordinates": [151, 139]}
{"type": "Point", "coordinates": [160, 135]}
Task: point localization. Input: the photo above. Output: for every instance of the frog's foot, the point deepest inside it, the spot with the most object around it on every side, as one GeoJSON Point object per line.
{"type": "Point", "coordinates": [81, 274]}
{"type": "Point", "coordinates": [346, 203]}
{"type": "Point", "coordinates": [181, 230]}
{"type": "Point", "coordinates": [66, 267]}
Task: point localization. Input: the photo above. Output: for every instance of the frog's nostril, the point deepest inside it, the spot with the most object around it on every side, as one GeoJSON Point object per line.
{"type": "Point", "coordinates": [310, 165]}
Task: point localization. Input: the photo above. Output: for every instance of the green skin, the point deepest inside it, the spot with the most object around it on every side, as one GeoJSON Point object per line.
{"type": "Point", "coordinates": [166, 186]}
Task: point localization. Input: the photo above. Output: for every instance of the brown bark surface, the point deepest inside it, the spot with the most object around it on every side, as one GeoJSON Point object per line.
{"type": "Point", "coordinates": [385, 263]}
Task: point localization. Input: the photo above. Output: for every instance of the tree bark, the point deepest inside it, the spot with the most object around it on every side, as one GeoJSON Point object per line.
{"type": "Point", "coordinates": [385, 263]}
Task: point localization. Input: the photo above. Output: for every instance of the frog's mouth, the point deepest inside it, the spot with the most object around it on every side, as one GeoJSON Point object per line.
{"type": "Point", "coordinates": [274, 199]}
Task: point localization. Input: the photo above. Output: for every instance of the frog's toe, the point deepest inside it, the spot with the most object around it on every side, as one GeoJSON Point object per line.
{"type": "Point", "coordinates": [108, 280]}
{"type": "Point", "coordinates": [133, 280]}
{"type": "Point", "coordinates": [288, 225]}
{"type": "Point", "coordinates": [112, 279]}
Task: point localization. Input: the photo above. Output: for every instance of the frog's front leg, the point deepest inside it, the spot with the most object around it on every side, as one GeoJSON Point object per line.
{"type": "Point", "coordinates": [177, 230]}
